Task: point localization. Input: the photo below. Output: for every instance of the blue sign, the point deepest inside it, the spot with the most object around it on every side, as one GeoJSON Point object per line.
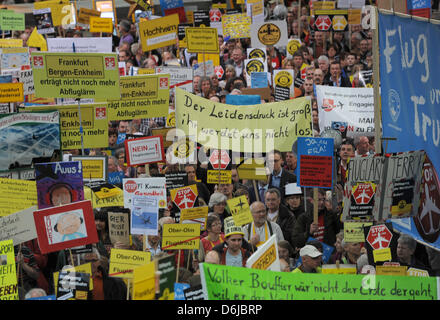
{"type": "Point", "coordinates": [170, 4]}
{"type": "Point", "coordinates": [407, 226]}
{"type": "Point", "coordinates": [259, 80]}
{"type": "Point", "coordinates": [418, 4]}
{"type": "Point", "coordinates": [115, 177]}
{"type": "Point", "coordinates": [243, 99]}
{"type": "Point", "coordinates": [178, 290]}
{"type": "Point", "coordinates": [51, 297]}
{"type": "Point", "coordinates": [315, 162]}
{"type": "Point", "coordinates": [410, 84]}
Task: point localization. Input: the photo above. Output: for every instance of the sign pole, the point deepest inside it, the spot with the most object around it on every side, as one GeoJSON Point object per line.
{"type": "Point", "coordinates": [178, 265]}
{"type": "Point", "coordinates": [315, 205]}
{"type": "Point", "coordinates": [81, 131]}
{"type": "Point", "coordinates": [376, 78]}
{"type": "Point", "coordinates": [257, 194]}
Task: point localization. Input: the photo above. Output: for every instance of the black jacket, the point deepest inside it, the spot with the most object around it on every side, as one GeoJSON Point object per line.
{"type": "Point", "coordinates": [286, 178]}
{"type": "Point", "coordinates": [301, 229]}
{"type": "Point", "coordinates": [286, 221]}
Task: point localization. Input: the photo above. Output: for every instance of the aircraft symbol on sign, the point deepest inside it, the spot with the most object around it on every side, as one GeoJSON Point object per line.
{"type": "Point", "coordinates": [429, 208]}
{"type": "Point", "coordinates": [365, 198]}
{"type": "Point", "coordinates": [240, 204]}
{"type": "Point", "coordinates": [380, 239]}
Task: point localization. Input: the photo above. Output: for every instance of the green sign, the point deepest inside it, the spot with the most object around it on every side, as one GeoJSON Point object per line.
{"type": "Point", "coordinates": [10, 20]}
{"type": "Point", "coordinates": [76, 75]}
{"type": "Point", "coordinates": [236, 283]}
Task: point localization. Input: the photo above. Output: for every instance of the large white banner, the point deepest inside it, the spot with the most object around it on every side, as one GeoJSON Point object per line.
{"type": "Point", "coordinates": [350, 109]}
{"type": "Point", "coordinates": [83, 45]}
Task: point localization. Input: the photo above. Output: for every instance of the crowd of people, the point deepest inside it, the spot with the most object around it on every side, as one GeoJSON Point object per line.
{"type": "Point", "coordinates": [332, 58]}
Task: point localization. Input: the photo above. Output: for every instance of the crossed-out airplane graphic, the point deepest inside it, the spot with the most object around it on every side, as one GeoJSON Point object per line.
{"type": "Point", "coordinates": [429, 208]}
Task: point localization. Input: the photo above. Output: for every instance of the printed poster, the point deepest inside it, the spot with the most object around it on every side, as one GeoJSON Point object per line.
{"type": "Point", "coordinates": [65, 226]}
{"type": "Point", "coordinates": [59, 183]}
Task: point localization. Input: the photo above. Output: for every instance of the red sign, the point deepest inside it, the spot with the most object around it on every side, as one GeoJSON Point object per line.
{"type": "Point", "coordinates": [185, 198]}
{"type": "Point", "coordinates": [218, 70]}
{"type": "Point", "coordinates": [130, 186]}
{"type": "Point", "coordinates": [379, 237]}
{"type": "Point", "coordinates": [363, 193]}
{"type": "Point", "coordinates": [144, 150]}
{"type": "Point", "coordinates": [65, 226]}
{"type": "Point", "coordinates": [219, 163]}
{"type": "Point", "coordinates": [323, 23]}
{"type": "Point", "coordinates": [427, 219]}
{"type": "Point", "coordinates": [316, 171]}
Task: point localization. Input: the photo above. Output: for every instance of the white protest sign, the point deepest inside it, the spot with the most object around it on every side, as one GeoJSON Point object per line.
{"type": "Point", "coordinates": [151, 187]}
{"type": "Point", "coordinates": [351, 107]}
{"type": "Point", "coordinates": [26, 77]}
{"type": "Point", "coordinates": [19, 226]}
{"type": "Point", "coordinates": [144, 215]}
{"type": "Point", "coordinates": [179, 77]}
{"type": "Point", "coordinates": [83, 45]}
{"type": "Point", "coordinates": [144, 150]}
{"type": "Point", "coordinates": [269, 33]}
{"type": "Point", "coordinates": [266, 257]}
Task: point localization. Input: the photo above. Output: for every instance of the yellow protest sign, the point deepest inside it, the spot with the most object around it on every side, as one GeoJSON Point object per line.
{"type": "Point", "coordinates": [354, 16]}
{"type": "Point", "coordinates": [76, 75]}
{"type": "Point", "coordinates": [94, 123]}
{"type": "Point", "coordinates": [417, 272]}
{"type": "Point", "coordinates": [195, 215]}
{"type": "Point", "coordinates": [341, 269]}
{"type": "Point", "coordinates": [219, 176]}
{"type": "Point", "coordinates": [252, 169]}
{"type": "Point", "coordinates": [123, 262]}
{"type": "Point", "coordinates": [158, 33]}
{"type": "Point", "coordinates": [60, 10]}
{"type": "Point", "coordinates": [256, 128]}
{"type": "Point", "coordinates": [236, 25]}
{"type": "Point", "coordinates": [85, 14]}
{"type": "Point", "coordinates": [141, 97]}
{"type": "Point", "coordinates": [98, 24]}
{"type": "Point", "coordinates": [144, 282]}
{"type": "Point", "coordinates": [11, 92]}
{"type": "Point", "coordinates": [11, 43]}
{"type": "Point", "coordinates": [8, 285]}
{"type": "Point", "coordinates": [323, 5]}
{"type": "Point", "coordinates": [35, 40]}
{"type": "Point", "coordinates": [16, 195]}
{"type": "Point", "coordinates": [265, 260]}
{"type": "Point", "coordinates": [146, 71]}
{"type": "Point", "coordinates": [94, 168]}
{"type": "Point", "coordinates": [83, 268]}
{"type": "Point", "coordinates": [354, 231]}
{"type": "Point", "coordinates": [114, 201]}
{"type": "Point", "coordinates": [215, 58]}
{"type": "Point", "coordinates": [202, 40]}
{"type": "Point", "coordinates": [181, 236]}
{"type": "Point", "coordinates": [391, 270]}
{"type": "Point", "coordinates": [382, 255]}
{"type": "Point", "coordinates": [240, 210]}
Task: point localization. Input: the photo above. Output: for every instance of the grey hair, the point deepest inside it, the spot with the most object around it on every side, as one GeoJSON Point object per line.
{"type": "Point", "coordinates": [408, 241]}
{"type": "Point", "coordinates": [35, 290]}
{"type": "Point", "coordinates": [324, 58]}
{"type": "Point", "coordinates": [252, 206]}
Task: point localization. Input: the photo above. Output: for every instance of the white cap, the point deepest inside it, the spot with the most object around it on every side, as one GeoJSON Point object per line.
{"type": "Point", "coordinates": [309, 250]}
{"type": "Point", "coordinates": [292, 188]}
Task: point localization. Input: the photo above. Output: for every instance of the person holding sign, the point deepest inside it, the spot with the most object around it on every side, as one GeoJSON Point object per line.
{"type": "Point", "coordinates": [235, 250]}
{"type": "Point", "coordinates": [324, 230]}
{"type": "Point", "coordinates": [406, 247]}
{"type": "Point", "coordinates": [104, 287]}
{"type": "Point", "coordinates": [259, 231]}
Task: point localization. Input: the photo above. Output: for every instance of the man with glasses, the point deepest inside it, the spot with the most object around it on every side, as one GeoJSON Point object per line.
{"type": "Point", "coordinates": [279, 177]}
{"type": "Point", "coordinates": [311, 260]}
{"type": "Point", "coordinates": [324, 229]}
{"type": "Point", "coordinates": [260, 230]}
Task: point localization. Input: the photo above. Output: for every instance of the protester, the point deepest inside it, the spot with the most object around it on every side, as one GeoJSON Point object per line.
{"type": "Point", "coordinates": [311, 260]}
